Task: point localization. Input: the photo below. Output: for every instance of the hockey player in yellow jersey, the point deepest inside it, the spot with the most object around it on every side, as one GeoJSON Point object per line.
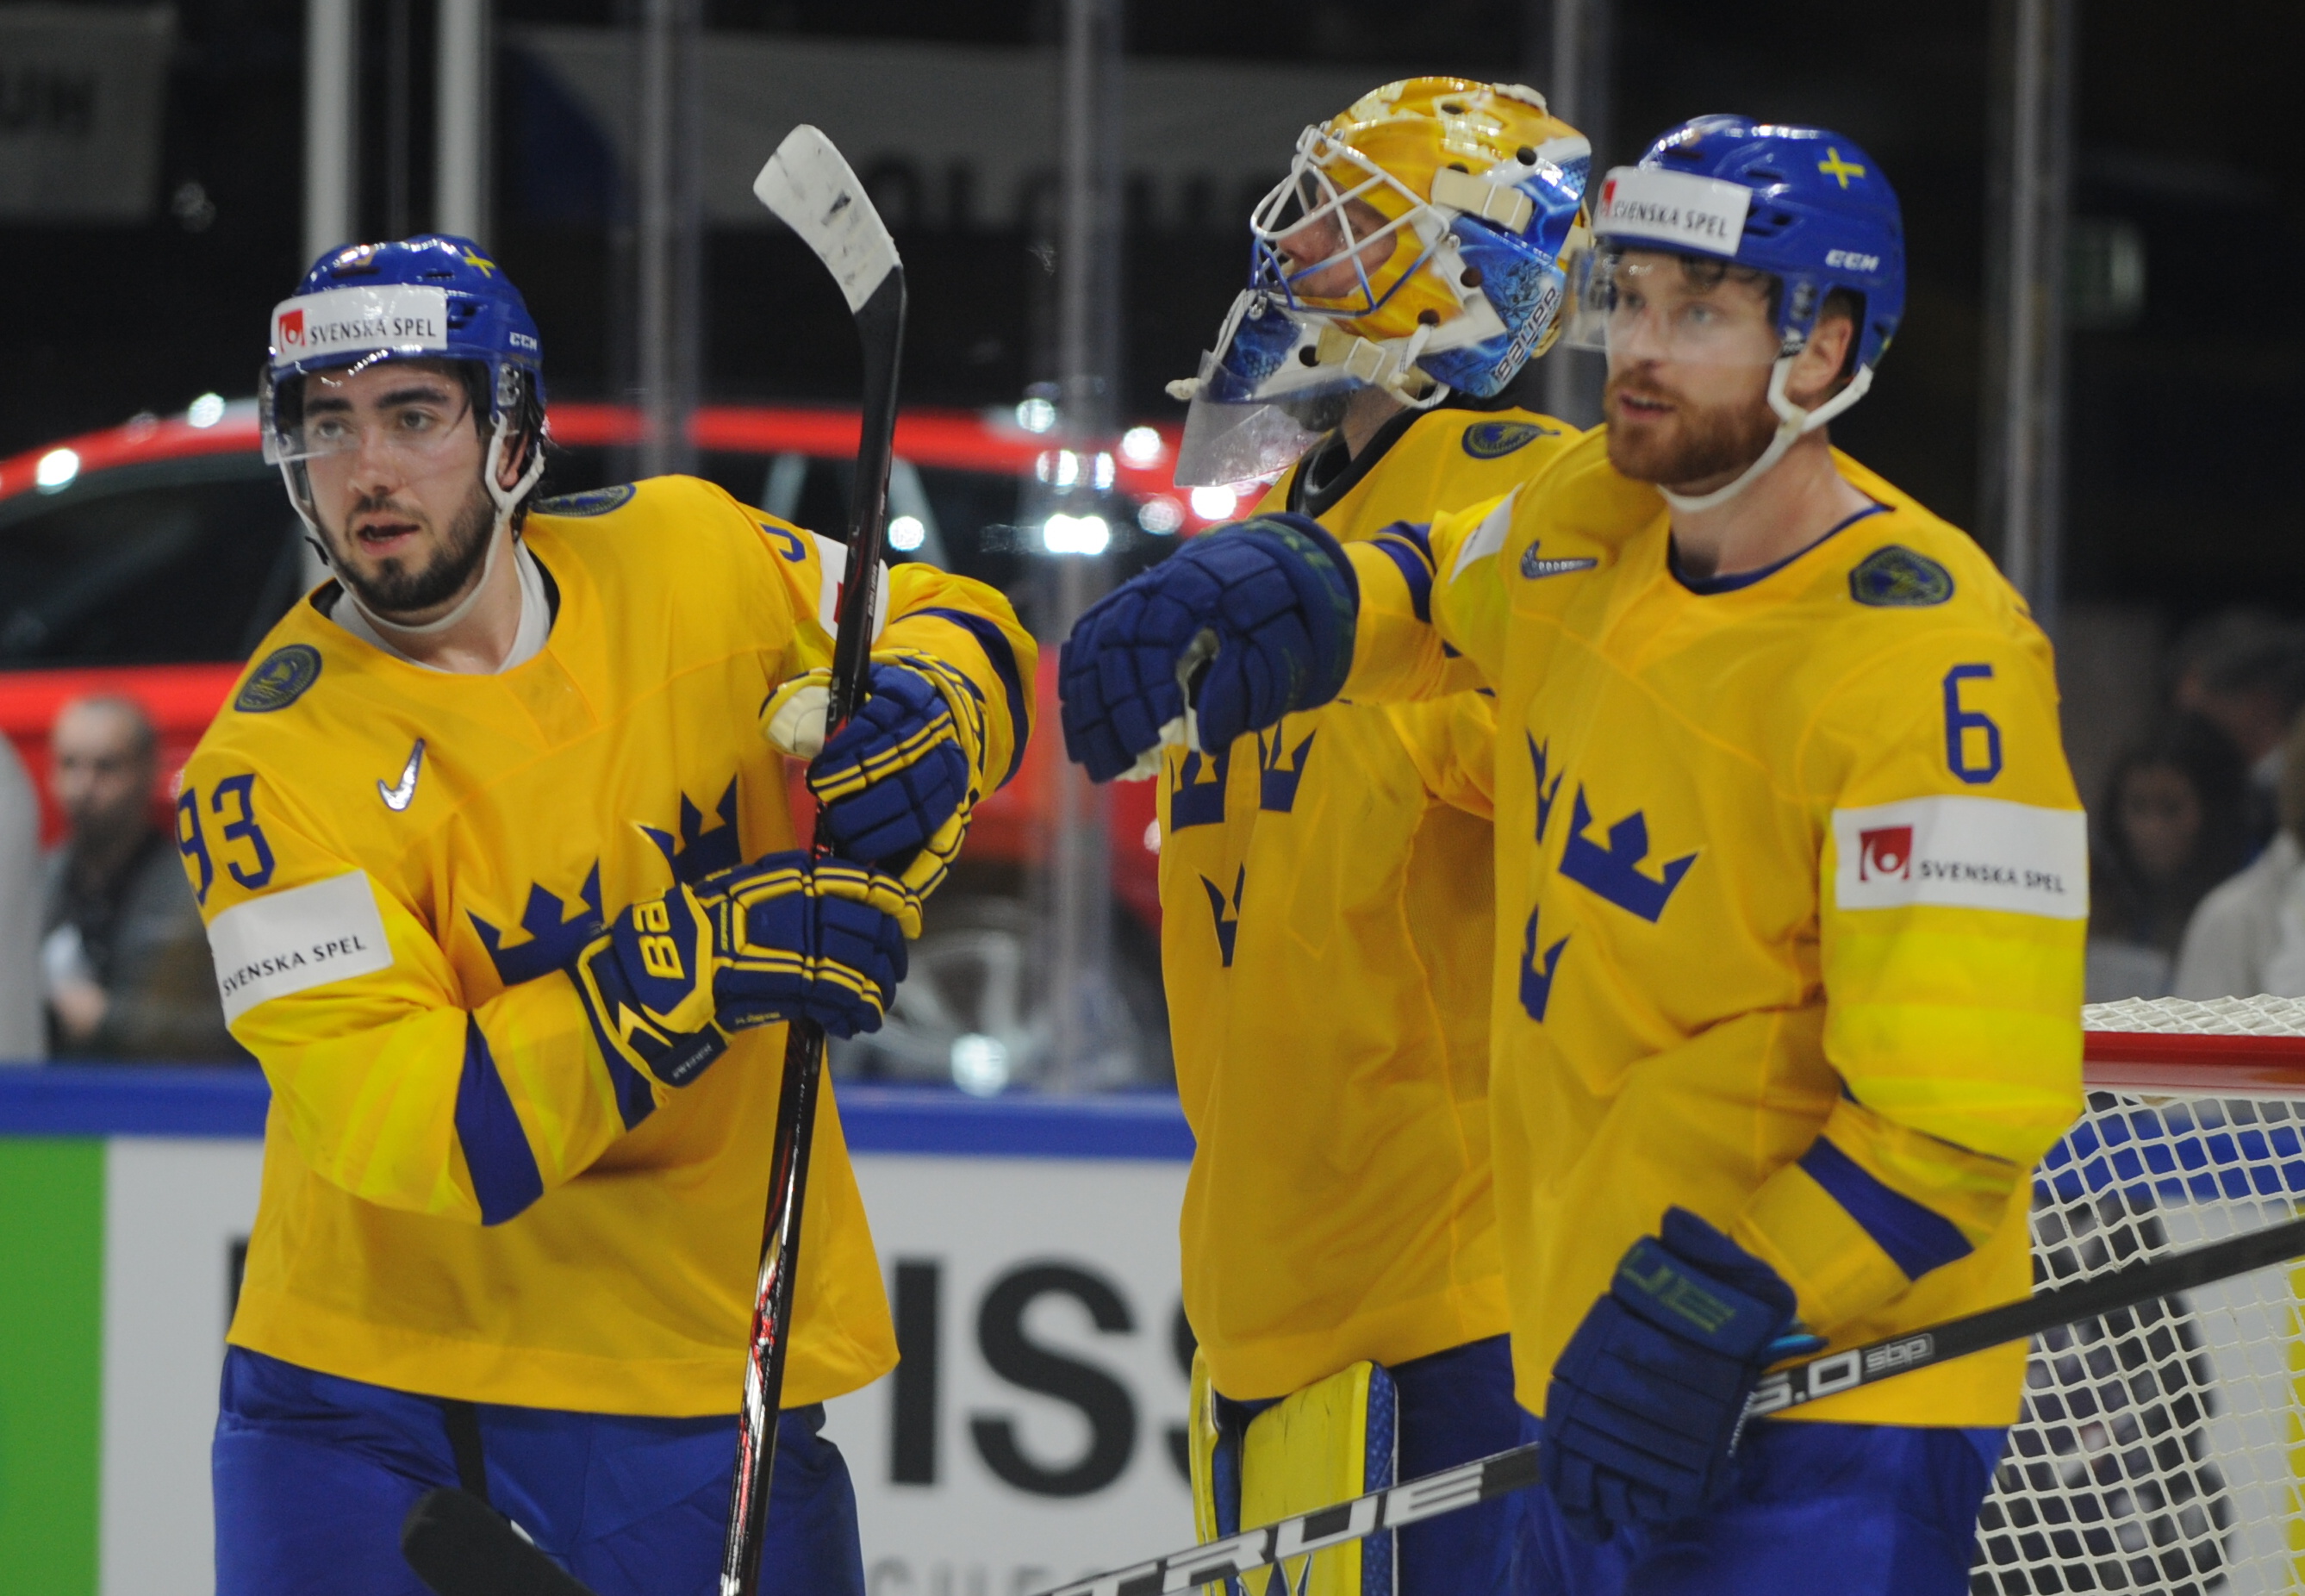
{"type": "Point", "coordinates": [1791, 886]}
{"type": "Point", "coordinates": [1325, 884]}
{"type": "Point", "coordinates": [504, 894]}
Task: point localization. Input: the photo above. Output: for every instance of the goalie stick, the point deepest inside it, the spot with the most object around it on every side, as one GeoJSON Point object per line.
{"type": "Point", "coordinates": [1431, 1495]}
{"type": "Point", "coordinates": [456, 1543]}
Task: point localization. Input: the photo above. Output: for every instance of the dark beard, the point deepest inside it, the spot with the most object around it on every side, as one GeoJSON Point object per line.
{"type": "Point", "coordinates": [398, 591]}
{"type": "Point", "coordinates": [1709, 443]}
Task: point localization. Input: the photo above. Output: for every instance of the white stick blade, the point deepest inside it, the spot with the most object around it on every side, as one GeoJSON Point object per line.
{"type": "Point", "coordinates": [809, 187]}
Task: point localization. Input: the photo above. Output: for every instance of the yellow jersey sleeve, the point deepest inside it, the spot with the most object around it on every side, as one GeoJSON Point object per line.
{"type": "Point", "coordinates": [1953, 901]}
{"type": "Point", "coordinates": [1451, 740]}
{"type": "Point", "coordinates": [957, 621]}
{"type": "Point", "coordinates": [390, 1084]}
{"type": "Point", "coordinates": [1433, 609]}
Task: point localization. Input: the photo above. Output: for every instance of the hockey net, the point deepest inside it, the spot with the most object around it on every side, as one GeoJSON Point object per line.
{"type": "Point", "coordinates": [2162, 1449]}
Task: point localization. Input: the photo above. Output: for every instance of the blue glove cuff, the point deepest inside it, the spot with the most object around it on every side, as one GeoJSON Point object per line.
{"type": "Point", "coordinates": [1327, 589]}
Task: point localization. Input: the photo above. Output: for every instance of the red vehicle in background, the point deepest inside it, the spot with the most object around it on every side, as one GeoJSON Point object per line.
{"type": "Point", "coordinates": [149, 559]}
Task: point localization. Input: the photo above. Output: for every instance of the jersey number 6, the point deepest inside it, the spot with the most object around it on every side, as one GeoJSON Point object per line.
{"type": "Point", "coordinates": [1960, 723]}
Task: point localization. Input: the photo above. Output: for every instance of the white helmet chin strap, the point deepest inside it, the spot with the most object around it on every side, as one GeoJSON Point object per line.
{"type": "Point", "coordinates": [1793, 423]}
{"type": "Point", "coordinates": [505, 499]}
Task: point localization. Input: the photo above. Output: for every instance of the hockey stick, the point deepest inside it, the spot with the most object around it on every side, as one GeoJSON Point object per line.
{"type": "Point", "coordinates": [1431, 1495]}
{"type": "Point", "coordinates": [455, 1543]}
{"type": "Point", "coordinates": [811, 191]}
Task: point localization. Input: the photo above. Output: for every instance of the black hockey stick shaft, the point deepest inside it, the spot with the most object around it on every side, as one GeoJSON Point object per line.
{"type": "Point", "coordinates": [812, 190]}
{"type": "Point", "coordinates": [1431, 1495]}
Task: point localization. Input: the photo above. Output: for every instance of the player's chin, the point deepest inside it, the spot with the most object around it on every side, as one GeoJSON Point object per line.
{"type": "Point", "coordinates": [1644, 446]}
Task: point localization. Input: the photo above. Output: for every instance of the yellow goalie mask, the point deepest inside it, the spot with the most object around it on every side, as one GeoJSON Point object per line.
{"type": "Point", "coordinates": [1419, 244]}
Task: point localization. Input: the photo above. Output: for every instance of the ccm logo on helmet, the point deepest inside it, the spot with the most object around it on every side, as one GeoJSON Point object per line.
{"type": "Point", "coordinates": [1852, 259]}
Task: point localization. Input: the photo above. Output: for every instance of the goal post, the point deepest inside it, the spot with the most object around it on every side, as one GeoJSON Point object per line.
{"type": "Point", "coordinates": [2162, 1449]}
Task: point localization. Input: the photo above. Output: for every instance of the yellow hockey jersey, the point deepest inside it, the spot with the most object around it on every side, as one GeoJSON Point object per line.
{"type": "Point", "coordinates": [1791, 890]}
{"type": "Point", "coordinates": [462, 1196]}
{"type": "Point", "coordinates": [1326, 928]}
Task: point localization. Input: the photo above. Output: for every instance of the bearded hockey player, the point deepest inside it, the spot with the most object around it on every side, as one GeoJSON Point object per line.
{"type": "Point", "coordinates": [1791, 885]}
{"type": "Point", "coordinates": [505, 896]}
{"type": "Point", "coordinates": [1325, 884]}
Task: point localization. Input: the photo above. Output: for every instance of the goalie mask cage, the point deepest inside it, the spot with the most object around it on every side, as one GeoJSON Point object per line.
{"type": "Point", "coordinates": [2161, 1450]}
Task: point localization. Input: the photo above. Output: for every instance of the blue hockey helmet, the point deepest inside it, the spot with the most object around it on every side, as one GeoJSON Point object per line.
{"type": "Point", "coordinates": [431, 297]}
{"type": "Point", "coordinates": [1806, 206]}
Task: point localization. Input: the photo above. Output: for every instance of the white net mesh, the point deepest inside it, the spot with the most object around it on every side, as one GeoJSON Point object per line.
{"type": "Point", "coordinates": [2162, 1449]}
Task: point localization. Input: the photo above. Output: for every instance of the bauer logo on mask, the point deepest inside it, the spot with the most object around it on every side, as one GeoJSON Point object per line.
{"type": "Point", "coordinates": [1675, 209]}
{"type": "Point", "coordinates": [407, 321]}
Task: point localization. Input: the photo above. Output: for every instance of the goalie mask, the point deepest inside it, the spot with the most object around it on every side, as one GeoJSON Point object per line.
{"type": "Point", "coordinates": [1419, 245]}
{"type": "Point", "coordinates": [434, 297]}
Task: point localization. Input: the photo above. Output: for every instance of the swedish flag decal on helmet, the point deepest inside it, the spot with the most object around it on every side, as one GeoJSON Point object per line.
{"type": "Point", "coordinates": [1896, 578]}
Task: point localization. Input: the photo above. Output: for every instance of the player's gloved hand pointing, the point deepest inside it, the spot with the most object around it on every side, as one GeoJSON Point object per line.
{"type": "Point", "coordinates": [785, 937]}
{"type": "Point", "coordinates": [900, 780]}
{"type": "Point", "coordinates": [1269, 602]}
{"type": "Point", "coordinates": [1647, 1399]}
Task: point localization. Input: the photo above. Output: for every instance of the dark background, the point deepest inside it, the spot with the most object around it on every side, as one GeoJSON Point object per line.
{"type": "Point", "coordinates": [2179, 496]}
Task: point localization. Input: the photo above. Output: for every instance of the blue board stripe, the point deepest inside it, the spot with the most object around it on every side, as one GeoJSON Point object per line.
{"type": "Point", "coordinates": [201, 1101]}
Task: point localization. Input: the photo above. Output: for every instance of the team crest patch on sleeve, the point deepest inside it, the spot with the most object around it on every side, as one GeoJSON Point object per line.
{"type": "Point", "coordinates": [1896, 578]}
{"type": "Point", "coordinates": [292, 942]}
{"type": "Point", "coordinates": [1494, 441]}
{"type": "Point", "coordinates": [279, 679]}
{"type": "Point", "coordinates": [1962, 853]}
{"type": "Point", "coordinates": [592, 501]}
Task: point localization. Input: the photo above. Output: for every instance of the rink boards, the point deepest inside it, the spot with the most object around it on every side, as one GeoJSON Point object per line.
{"type": "Point", "coordinates": [1033, 1432]}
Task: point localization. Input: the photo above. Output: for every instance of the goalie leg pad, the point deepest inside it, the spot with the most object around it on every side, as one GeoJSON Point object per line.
{"type": "Point", "coordinates": [1255, 1462]}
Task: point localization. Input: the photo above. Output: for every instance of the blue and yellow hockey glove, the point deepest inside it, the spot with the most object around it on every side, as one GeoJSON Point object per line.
{"type": "Point", "coordinates": [899, 781]}
{"type": "Point", "coordinates": [783, 938]}
{"type": "Point", "coordinates": [1646, 1401]}
{"type": "Point", "coordinates": [1270, 603]}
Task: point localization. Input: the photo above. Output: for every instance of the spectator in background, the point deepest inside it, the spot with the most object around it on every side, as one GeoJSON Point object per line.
{"type": "Point", "coordinates": [2174, 823]}
{"type": "Point", "coordinates": [125, 959]}
{"type": "Point", "coordinates": [2245, 671]}
{"type": "Point", "coordinates": [2249, 935]}
{"type": "Point", "coordinates": [23, 1035]}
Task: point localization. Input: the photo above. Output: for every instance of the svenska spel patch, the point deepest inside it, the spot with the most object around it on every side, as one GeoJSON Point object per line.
{"type": "Point", "coordinates": [1962, 853]}
{"type": "Point", "coordinates": [286, 943]}
{"type": "Point", "coordinates": [400, 317]}
{"type": "Point", "coordinates": [1675, 207]}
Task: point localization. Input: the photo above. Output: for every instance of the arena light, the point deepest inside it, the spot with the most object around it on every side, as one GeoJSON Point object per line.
{"type": "Point", "coordinates": [979, 1064]}
{"type": "Point", "coordinates": [1036, 415]}
{"type": "Point", "coordinates": [1214, 504]}
{"type": "Point", "coordinates": [55, 470]}
{"type": "Point", "coordinates": [1161, 516]}
{"type": "Point", "coordinates": [1076, 535]}
{"type": "Point", "coordinates": [906, 533]}
{"type": "Point", "coordinates": [1141, 446]}
{"type": "Point", "coordinates": [206, 411]}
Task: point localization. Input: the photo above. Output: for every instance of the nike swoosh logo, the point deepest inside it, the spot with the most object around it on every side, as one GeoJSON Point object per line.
{"type": "Point", "coordinates": [396, 798]}
{"type": "Point", "coordinates": [1532, 567]}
